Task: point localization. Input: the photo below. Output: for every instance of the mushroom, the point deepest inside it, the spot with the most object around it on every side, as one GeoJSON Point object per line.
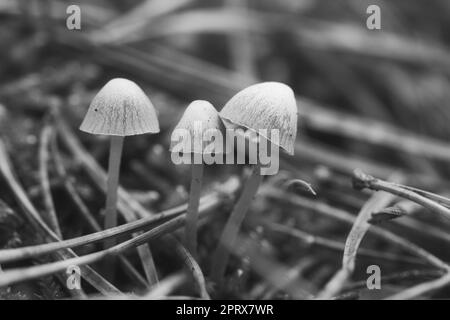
{"type": "Point", "coordinates": [118, 110]}
{"type": "Point", "coordinates": [198, 136]}
{"type": "Point", "coordinates": [268, 110]}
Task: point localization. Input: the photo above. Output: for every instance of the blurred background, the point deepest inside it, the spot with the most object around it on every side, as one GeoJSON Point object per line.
{"type": "Point", "coordinates": [378, 100]}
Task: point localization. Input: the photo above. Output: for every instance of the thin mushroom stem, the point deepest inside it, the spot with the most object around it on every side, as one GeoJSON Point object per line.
{"type": "Point", "coordinates": [222, 253]}
{"type": "Point", "coordinates": [192, 211]}
{"type": "Point", "coordinates": [115, 153]}
{"type": "Point", "coordinates": [112, 186]}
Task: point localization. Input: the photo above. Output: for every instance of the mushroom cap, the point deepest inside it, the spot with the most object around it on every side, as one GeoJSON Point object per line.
{"type": "Point", "coordinates": [120, 108]}
{"type": "Point", "coordinates": [199, 117]}
{"type": "Point", "coordinates": [267, 105]}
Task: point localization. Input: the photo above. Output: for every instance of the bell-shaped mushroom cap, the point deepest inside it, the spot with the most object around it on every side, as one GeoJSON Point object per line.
{"type": "Point", "coordinates": [267, 105]}
{"type": "Point", "coordinates": [120, 108]}
{"type": "Point", "coordinates": [199, 127]}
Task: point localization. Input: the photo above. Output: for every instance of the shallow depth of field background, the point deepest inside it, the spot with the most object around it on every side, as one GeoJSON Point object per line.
{"type": "Point", "coordinates": [376, 100]}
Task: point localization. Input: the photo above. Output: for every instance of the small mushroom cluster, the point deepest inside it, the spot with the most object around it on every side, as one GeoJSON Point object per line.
{"type": "Point", "coordinates": [122, 109]}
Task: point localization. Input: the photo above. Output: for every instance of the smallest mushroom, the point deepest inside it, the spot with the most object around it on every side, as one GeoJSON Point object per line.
{"type": "Point", "coordinates": [198, 139]}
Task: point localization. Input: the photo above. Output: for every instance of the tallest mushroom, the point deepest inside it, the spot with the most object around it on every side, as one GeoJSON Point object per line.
{"type": "Point", "coordinates": [118, 110]}
{"type": "Point", "coordinates": [269, 110]}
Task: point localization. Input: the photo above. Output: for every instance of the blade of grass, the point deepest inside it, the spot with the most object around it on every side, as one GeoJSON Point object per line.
{"type": "Point", "coordinates": [344, 216]}
{"type": "Point", "coordinates": [69, 186]}
{"type": "Point", "coordinates": [335, 245]}
{"type": "Point", "coordinates": [362, 180]}
{"type": "Point", "coordinates": [191, 265]}
{"type": "Point", "coordinates": [432, 196]}
{"type": "Point", "coordinates": [359, 229]}
{"type": "Point", "coordinates": [33, 216]}
{"type": "Point", "coordinates": [12, 276]}
{"type": "Point", "coordinates": [50, 212]}
{"type": "Point", "coordinates": [211, 201]}
{"type": "Point", "coordinates": [422, 289]}
{"type": "Point", "coordinates": [207, 202]}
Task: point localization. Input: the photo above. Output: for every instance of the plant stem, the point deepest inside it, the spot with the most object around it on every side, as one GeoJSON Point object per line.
{"type": "Point", "coordinates": [222, 254]}
{"type": "Point", "coordinates": [191, 265]}
{"type": "Point", "coordinates": [208, 203]}
{"type": "Point", "coordinates": [192, 211]}
{"type": "Point", "coordinates": [41, 227]}
{"type": "Point", "coordinates": [421, 289]}
{"type": "Point", "coordinates": [12, 276]}
{"type": "Point", "coordinates": [115, 153]}
{"type": "Point", "coordinates": [362, 180]}
{"type": "Point", "coordinates": [50, 213]}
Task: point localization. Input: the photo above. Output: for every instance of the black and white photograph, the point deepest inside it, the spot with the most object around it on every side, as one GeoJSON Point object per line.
{"type": "Point", "coordinates": [224, 157]}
